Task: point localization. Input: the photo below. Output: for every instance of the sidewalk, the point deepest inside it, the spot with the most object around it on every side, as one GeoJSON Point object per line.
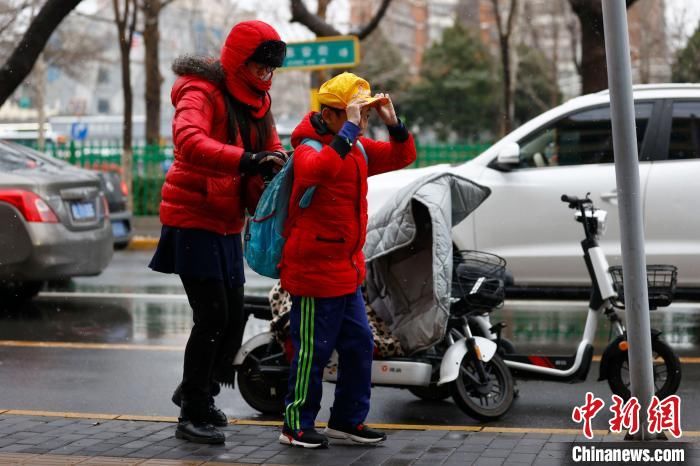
{"type": "Point", "coordinates": [44, 440]}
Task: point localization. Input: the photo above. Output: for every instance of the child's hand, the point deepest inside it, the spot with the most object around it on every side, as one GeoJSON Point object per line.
{"type": "Point", "coordinates": [386, 112]}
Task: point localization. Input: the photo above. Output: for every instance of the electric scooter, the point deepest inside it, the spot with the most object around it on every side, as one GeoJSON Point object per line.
{"type": "Point", "coordinates": [462, 365]}
{"type": "Point", "coordinates": [606, 297]}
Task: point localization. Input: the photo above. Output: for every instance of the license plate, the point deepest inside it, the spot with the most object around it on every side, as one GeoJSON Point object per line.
{"type": "Point", "coordinates": [83, 210]}
{"type": "Point", "coordinates": [118, 229]}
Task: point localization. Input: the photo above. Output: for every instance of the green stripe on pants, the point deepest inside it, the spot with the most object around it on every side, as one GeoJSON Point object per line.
{"type": "Point", "coordinates": [310, 329]}
{"type": "Point", "coordinates": [304, 360]}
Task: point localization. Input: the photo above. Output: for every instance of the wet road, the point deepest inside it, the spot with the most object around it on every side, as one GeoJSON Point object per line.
{"type": "Point", "coordinates": [113, 344]}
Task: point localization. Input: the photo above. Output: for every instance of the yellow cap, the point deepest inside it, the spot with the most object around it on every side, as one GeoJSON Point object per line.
{"type": "Point", "coordinates": [339, 91]}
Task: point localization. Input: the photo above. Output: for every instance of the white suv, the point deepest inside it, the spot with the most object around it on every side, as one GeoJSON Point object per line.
{"type": "Point", "coordinates": [569, 150]}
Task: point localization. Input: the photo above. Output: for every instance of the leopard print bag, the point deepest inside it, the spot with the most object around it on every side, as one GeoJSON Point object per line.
{"type": "Point", "coordinates": [281, 304]}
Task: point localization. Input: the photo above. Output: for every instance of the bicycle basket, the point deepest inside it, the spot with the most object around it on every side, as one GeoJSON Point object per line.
{"type": "Point", "coordinates": [478, 280]}
{"type": "Point", "coordinates": [661, 282]}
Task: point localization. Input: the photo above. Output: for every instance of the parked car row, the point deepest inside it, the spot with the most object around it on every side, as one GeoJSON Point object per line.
{"type": "Point", "coordinates": [569, 150]}
{"type": "Point", "coordinates": [56, 221]}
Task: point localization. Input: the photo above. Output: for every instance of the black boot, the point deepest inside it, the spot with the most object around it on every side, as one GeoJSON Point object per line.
{"type": "Point", "coordinates": [214, 390]}
{"type": "Point", "coordinates": [214, 416]}
{"type": "Point", "coordinates": [194, 428]}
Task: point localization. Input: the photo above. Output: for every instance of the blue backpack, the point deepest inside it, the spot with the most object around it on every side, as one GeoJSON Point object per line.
{"type": "Point", "coordinates": [263, 237]}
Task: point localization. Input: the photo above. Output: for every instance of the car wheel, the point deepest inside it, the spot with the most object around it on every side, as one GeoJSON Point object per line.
{"type": "Point", "coordinates": [121, 246]}
{"type": "Point", "coordinates": [16, 292]}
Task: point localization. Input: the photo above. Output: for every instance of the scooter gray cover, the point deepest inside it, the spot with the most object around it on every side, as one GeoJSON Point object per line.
{"type": "Point", "coordinates": [409, 256]}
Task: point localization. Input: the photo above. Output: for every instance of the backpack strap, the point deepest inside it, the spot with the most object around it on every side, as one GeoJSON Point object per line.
{"type": "Point", "coordinates": [362, 149]}
{"type": "Point", "coordinates": [305, 200]}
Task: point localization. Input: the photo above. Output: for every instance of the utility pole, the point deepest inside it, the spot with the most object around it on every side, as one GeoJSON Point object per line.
{"type": "Point", "coordinates": [617, 51]}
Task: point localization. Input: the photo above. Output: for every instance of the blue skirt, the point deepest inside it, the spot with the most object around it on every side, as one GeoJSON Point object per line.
{"type": "Point", "coordinates": [200, 254]}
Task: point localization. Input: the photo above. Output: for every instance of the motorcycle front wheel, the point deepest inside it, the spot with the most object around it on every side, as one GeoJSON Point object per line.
{"type": "Point", "coordinates": [488, 401]}
{"type": "Point", "coordinates": [263, 377]}
{"type": "Point", "coordinates": [666, 371]}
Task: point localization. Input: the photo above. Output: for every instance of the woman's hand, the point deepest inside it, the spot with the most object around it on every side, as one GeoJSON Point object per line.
{"type": "Point", "coordinates": [386, 112]}
{"type": "Point", "coordinates": [263, 163]}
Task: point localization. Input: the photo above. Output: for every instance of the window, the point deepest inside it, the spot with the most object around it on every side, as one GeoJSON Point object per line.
{"type": "Point", "coordinates": [102, 76]}
{"type": "Point", "coordinates": [580, 138]}
{"type": "Point", "coordinates": [103, 106]}
{"type": "Point", "coordinates": [685, 131]}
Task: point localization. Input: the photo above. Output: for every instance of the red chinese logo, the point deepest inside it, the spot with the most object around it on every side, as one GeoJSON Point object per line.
{"type": "Point", "coordinates": [661, 415]}
{"type": "Point", "coordinates": [625, 416]}
{"type": "Point", "coordinates": [665, 415]}
{"type": "Point", "coordinates": [587, 412]}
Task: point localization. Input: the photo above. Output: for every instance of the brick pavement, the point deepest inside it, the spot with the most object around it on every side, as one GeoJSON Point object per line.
{"type": "Point", "coordinates": [47, 440]}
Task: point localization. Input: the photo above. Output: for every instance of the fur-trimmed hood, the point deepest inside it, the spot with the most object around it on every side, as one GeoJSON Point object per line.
{"type": "Point", "coordinates": [207, 68]}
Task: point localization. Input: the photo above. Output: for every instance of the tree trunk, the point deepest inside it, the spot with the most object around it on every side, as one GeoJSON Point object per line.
{"type": "Point", "coordinates": [594, 69]}
{"type": "Point", "coordinates": [127, 128]}
{"type": "Point", "coordinates": [507, 121]}
{"type": "Point", "coordinates": [22, 60]}
{"type": "Point", "coordinates": [505, 35]}
{"type": "Point", "coordinates": [125, 29]}
{"type": "Point", "coordinates": [154, 80]}
{"type": "Point", "coordinates": [557, 13]}
{"type": "Point", "coordinates": [41, 102]}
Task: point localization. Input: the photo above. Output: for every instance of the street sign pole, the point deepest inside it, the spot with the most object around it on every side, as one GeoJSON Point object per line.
{"type": "Point", "coordinates": [630, 206]}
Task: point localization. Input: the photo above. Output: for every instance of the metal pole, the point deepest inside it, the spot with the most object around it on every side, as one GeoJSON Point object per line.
{"type": "Point", "coordinates": [630, 203]}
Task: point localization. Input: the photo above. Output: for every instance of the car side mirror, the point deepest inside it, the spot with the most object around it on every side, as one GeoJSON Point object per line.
{"type": "Point", "coordinates": [509, 156]}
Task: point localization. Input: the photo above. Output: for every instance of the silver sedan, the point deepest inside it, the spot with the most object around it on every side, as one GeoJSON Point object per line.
{"type": "Point", "coordinates": [54, 222]}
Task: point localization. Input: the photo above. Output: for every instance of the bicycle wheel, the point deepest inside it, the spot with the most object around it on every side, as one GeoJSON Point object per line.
{"type": "Point", "coordinates": [666, 370]}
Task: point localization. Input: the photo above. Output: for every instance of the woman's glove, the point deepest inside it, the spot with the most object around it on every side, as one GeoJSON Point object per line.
{"type": "Point", "coordinates": [265, 163]}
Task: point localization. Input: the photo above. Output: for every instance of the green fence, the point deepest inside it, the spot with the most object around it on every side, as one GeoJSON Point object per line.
{"type": "Point", "coordinates": [150, 163]}
{"type": "Point", "coordinates": [432, 154]}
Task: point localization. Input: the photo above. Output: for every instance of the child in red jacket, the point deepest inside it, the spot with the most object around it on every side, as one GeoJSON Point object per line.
{"type": "Point", "coordinates": [322, 263]}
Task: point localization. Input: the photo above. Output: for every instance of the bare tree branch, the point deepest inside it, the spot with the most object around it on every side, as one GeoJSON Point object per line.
{"type": "Point", "coordinates": [100, 19]}
{"type": "Point", "coordinates": [374, 22]}
{"type": "Point", "coordinates": [497, 14]}
{"type": "Point", "coordinates": [13, 12]}
{"type": "Point", "coordinates": [530, 92]}
{"type": "Point", "coordinates": [322, 8]}
{"type": "Point", "coordinates": [132, 25]}
{"type": "Point", "coordinates": [300, 14]}
{"type": "Point", "coordinates": [25, 54]}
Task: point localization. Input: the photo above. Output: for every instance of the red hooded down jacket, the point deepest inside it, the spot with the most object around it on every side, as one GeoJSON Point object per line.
{"type": "Point", "coordinates": [203, 188]}
{"type": "Point", "coordinates": [322, 255]}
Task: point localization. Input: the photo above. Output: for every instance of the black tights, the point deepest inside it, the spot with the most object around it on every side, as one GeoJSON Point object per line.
{"type": "Point", "coordinates": [219, 321]}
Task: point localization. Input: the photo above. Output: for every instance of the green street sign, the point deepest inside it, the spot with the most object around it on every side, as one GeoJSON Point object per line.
{"type": "Point", "coordinates": [323, 53]}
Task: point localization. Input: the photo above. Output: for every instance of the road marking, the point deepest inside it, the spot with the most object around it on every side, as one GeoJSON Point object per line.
{"type": "Point", "coordinates": [91, 346]}
{"type": "Point", "coordinates": [135, 347]}
{"type": "Point", "coordinates": [29, 412]}
{"type": "Point", "coordinates": [253, 422]}
{"type": "Point", "coordinates": [99, 295]}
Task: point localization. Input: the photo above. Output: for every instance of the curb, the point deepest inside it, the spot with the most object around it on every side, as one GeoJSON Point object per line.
{"type": "Point", "coordinates": [140, 243]}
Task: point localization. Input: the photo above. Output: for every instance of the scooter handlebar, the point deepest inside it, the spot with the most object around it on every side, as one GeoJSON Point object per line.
{"type": "Point", "coordinates": [574, 202]}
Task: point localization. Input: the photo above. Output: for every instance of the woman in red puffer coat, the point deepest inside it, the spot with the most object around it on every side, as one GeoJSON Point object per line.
{"type": "Point", "coordinates": [225, 146]}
